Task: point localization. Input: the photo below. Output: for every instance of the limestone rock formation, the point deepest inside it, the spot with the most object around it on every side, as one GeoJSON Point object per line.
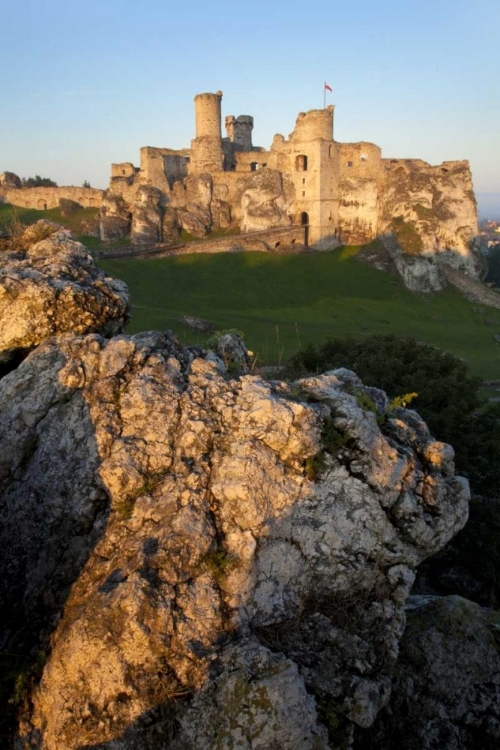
{"type": "Point", "coordinates": [446, 689]}
{"type": "Point", "coordinates": [147, 215]}
{"type": "Point", "coordinates": [115, 217]}
{"type": "Point", "coordinates": [220, 207]}
{"type": "Point", "coordinates": [177, 530]}
{"type": "Point", "coordinates": [195, 219]}
{"type": "Point", "coordinates": [192, 201]}
{"type": "Point", "coordinates": [49, 284]}
{"type": "Point", "coordinates": [264, 201]}
{"type": "Point", "coordinates": [359, 208]}
{"type": "Point", "coordinates": [170, 225]}
{"type": "Point", "coordinates": [433, 211]}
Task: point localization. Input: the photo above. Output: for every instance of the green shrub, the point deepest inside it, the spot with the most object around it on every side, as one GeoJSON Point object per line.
{"type": "Point", "coordinates": [218, 563]}
{"type": "Point", "coordinates": [408, 236]}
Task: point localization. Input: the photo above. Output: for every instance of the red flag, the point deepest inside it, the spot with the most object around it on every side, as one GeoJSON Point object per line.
{"type": "Point", "coordinates": [328, 88]}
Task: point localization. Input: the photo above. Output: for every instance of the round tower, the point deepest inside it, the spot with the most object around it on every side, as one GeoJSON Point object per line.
{"type": "Point", "coordinates": [208, 115]}
{"type": "Point", "coordinates": [317, 123]}
{"type": "Point", "coordinates": [206, 149]}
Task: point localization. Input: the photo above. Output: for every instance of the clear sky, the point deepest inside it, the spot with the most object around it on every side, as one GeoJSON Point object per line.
{"type": "Point", "coordinates": [87, 83]}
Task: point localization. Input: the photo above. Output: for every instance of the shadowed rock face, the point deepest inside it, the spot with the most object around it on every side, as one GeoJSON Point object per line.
{"type": "Point", "coordinates": [197, 527]}
{"type": "Point", "coordinates": [49, 284]}
{"type": "Point", "coordinates": [446, 688]}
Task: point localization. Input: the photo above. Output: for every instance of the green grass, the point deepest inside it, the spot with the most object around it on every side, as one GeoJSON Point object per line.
{"type": "Point", "coordinates": [283, 302]}
{"type": "Point", "coordinates": [26, 216]}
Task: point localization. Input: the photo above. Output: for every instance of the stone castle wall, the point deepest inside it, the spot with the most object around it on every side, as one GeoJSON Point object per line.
{"type": "Point", "coordinates": [43, 198]}
{"type": "Point", "coordinates": [362, 160]}
{"type": "Point", "coordinates": [125, 169]}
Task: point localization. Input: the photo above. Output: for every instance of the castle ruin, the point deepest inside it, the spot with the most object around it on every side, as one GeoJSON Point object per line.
{"type": "Point", "coordinates": [337, 192]}
{"type": "Point", "coordinates": [340, 191]}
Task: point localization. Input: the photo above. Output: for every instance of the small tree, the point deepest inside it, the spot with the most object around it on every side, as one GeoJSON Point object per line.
{"type": "Point", "coordinates": [38, 181]}
{"type": "Point", "coordinates": [86, 184]}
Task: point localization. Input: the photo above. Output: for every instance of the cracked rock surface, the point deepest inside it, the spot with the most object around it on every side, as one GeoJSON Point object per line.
{"type": "Point", "coordinates": [49, 284]}
{"type": "Point", "coordinates": [211, 562]}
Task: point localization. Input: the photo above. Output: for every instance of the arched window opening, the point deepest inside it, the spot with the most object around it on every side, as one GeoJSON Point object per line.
{"type": "Point", "coordinates": [301, 163]}
{"type": "Point", "coordinates": [254, 166]}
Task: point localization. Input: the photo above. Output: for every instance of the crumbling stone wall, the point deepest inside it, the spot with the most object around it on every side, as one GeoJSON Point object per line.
{"type": "Point", "coordinates": [44, 198]}
{"type": "Point", "coordinates": [124, 169]}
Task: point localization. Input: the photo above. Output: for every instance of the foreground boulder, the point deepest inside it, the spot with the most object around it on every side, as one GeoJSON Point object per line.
{"type": "Point", "coordinates": [49, 284]}
{"type": "Point", "coordinates": [208, 561]}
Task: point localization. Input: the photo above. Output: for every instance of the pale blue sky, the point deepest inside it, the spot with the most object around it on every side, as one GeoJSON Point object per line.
{"type": "Point", "coordinates": [85, 84]}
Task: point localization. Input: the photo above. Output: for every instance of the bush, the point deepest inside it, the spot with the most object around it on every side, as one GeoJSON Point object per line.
{"type": "Point", "coordinates": [38, 181]}
{"type": "Point", "coordinates": [408, 236]}
{"type": "Point", "coordinates": [447, 392]}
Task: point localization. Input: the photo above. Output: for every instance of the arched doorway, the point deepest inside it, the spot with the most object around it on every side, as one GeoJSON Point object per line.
{"type": "Point", "coordinates": [304, 221]}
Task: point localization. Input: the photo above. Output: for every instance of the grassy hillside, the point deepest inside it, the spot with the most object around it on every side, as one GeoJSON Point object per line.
{"type": "Point", "coordinates": [282, 302]}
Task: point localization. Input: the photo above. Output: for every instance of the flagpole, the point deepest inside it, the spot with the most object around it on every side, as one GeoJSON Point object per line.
{"type": "Point", "coordinates": [324, 95]}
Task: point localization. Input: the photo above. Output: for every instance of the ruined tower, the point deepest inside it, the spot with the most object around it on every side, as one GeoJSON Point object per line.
{"type": "Point", "coordinates": [239, 131]}
{"type": "Point", "coordinates": [206, 148]}
{"type": "Point", "coordinates": [314, 169]}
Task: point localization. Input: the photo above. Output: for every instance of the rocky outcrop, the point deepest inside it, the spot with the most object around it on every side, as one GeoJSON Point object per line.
{"type": "Point", "coordinates": [432, 210]}
{"type": "Point", "coordinates": [195, 219]}
{"type": "Point", "coordinates": [206, 559]}
{"type": "Point", "coordinates": [147, 215]}
{"type": "Point", "coordinates": [446, 688]}
{"type": "Point", "coordinates": [170, 225]}
{"type": "Point", "coordinates": [420, 273]}
{"type": "Point", "coordinates": [49, 284]}
{"type": "Point", "coordinates": [358, 210]}
{"type": "Point", "coordinates": [192, 201]}
{"type": "Point", "coordinates": [221, 560]}
{"type": "Point", "coordinates": [265, 201]}
{"type": "Point", "coordinates": [115, 217]}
